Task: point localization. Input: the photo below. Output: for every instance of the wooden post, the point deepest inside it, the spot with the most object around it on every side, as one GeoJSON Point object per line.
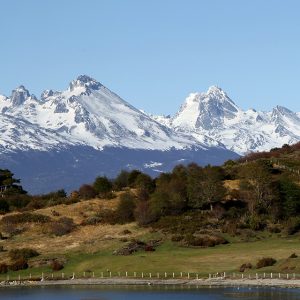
{"type": "Point", "coordinates": [119, 274]}
{"type": "Point", "coordinates": [30, 275]}
{"type": "Point", "coordinates": [197, 277]}
{"type": "Point", "coordinates": [109, 273]}
{"type": "Point", "coordinates": [126, 274]}
{"type": "Point", "coordinates": [271, 275]}
{"type": "Point", "coordinates": [19, 277]}
{"type": "Point", "coordinates": [150, 275]}
{"type": "Point", "coordinates": [93, 274]}
{"type": "Point", "coordinates": [166, 275]}
{"type": "Point", "coordinates": [52, 275]}
{"type": "Point", "coordinates": [264, 275]}
{"type": "Point", "coordinates": [142, 274]}
{"type": "Point", "coordinates": [83, 274]}
{"type": "Point", "coordinates": [287, 276]}
{"type": "Point", "coordinates": [188, 275]}
{"type": "Point", "coordinates": [157, 275]}
{"type": "Point", "coordinates": [242, 275]}
{"type": "Point", "coordinates": [278, 275]}
{"type": "Point", "coordinates": [209, 276]}
{"type": "Point", "coordinates": [62, 275]}
{"type": "Point", "coordinates": [180, 274]}
{"type": "Point", "coordinates": [134, 274]}
{"type": "Point", "coordinates": [173, 275]}
{"type": "Point", "coordinates": [101, 274]}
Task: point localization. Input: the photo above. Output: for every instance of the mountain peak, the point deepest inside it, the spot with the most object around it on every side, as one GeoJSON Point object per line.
{"type": "Point", "coordinates": [19, 95]}
{"type": "Point", "coordinates": [84, 81]}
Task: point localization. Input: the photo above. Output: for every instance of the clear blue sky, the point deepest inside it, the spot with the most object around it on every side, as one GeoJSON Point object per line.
{"type": "Point", "coordinates": [153, 53]}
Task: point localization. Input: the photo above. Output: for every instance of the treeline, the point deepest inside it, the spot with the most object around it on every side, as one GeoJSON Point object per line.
{"type": "Point", "coordinates": [262, 194]}
{"type": "Point", "coordinates": [252, 192]}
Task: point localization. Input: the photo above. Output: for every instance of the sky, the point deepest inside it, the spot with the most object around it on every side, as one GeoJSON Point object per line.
{"type": "Point", "coordinates": [154, 53]}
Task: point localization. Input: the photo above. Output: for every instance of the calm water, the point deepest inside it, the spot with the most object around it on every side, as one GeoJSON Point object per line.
{"type": "Point", "coordinates": [146, 293]}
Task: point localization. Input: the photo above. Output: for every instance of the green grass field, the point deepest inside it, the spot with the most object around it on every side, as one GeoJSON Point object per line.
{"type": "Point", "coordinates": [170, 257]}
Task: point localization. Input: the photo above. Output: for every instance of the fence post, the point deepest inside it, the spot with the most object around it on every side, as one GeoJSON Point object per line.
{"type": "Point", "coordinates": [157, 275]}
{"type": "Point", "coordinates": [93, 274]}
{"type": "Point", "coordinates": [142, 274]}
{"type": "Point", "coordinates": [180, 274]}
{"type": "Point", "coordinates": [271, 275]}
{"type": "Point", "coordinates": [19, 277]}
{"type": "Point", "coordinates": [109, 273]}
{"type": "Point", "coordinates": [188, 275]}
{"type": "Point", "coordinates": [166, 275]}
{"type": "Point", "coordinates": [197, 277]}
{"type": "Point", "coordinates": [278, 275]}
{"type": "Point", "coordinates": [84, 274]}
{"type": "Point", "coordinates": [173, 275]}
{"type": "Point", "coordinates": [119, 274]}
{"type": "Point", "coordinates": [209, 276]}
{"type": "Point", "coordinates": [287, 276]}
{"type": "Point", "coordinates": [62, 275]}
{"type": "Point", "coordinates": [126, 274]}
{"type": "Point", "coordinates": [150, 275]}
{"type": "Point", "coordinates": [134, 274]}
{"type": "Point", "coordinates": [242, 275]}
{"type": "Point", "coordinates": [101, 274]}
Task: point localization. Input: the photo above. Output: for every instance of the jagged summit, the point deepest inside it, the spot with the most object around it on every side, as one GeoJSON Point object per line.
{"type": "Point", "coordinates": [84, 81]}
{"type": "Point", "coordinates": [19, 95]}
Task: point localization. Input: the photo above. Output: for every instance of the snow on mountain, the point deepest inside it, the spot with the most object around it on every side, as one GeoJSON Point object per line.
{"type": "Point", "coordinates": [215, 116]}
{"type": "Point", "coordinates": [87, 113]}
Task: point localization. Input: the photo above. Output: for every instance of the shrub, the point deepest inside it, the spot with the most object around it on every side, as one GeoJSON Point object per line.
{"type": "Point", "coordinates": [25, 218]}
{"type": "Point", "coordinates": [62, 226]}
{"type": "Point", "coordinates": [204, 241]}
{"type": "Point", "coordinates": [3, 268]}
{"type": "Point", "coordinates": [125, 209]}
{"type": "Point", "coordinates": [56, 265]}
{"type": "Point", "coordinates": [293, 225]}
{"type": "Point", "coordinates": [293, 255]}
{"type": "Point", "coordinates": [102, 186]}
{"type": "Point", "coordinates": [23, 253]}
{"type": "Point", "coordinates": [87, 192]}
{"type": "Point", "coordinates": [20, 264]}
{"type": "Point", "coordinates": [265, 262]}
{"type": "Point", "coordinates": [243, 267]}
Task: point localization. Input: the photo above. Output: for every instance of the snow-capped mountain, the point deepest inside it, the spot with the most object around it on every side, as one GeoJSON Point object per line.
{"type": "Point", "coordinates": [213, 114]}
{"type": "Point", "coordinates": [66, 138]}
{"type": "Point", "coordinates": [87, 113]}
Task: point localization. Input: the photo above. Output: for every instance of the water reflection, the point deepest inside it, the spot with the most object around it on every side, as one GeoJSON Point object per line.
{"type": "Point", "coordinates": [147, 293]}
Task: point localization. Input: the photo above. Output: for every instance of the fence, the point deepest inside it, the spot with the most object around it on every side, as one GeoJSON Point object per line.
{"type": "Point", "coordinates": [151, 275]}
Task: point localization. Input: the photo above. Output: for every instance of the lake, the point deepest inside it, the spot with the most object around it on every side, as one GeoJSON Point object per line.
{"type": "Point", "coordinates": [146, 293]}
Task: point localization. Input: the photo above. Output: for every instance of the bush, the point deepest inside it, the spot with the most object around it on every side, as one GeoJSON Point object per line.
{"type": "Point", "coordinates": [23, 253]}
{"type": "Point", "coordinates": [3, 268]}
{"type": "Point", "coordinates": [25, 218]}
{"type": "Point", "coordinates": [293, 255]}
{"type": "Point", "coordinates": [204, 241]}
{"type": "Point", "coordinates": [293, 225]}
{"type": "Point", "coordinates": [102, 186]}
{"type": "Point", "coordinates": [265, 262]}
{"type": "Point", "coordinates": [62, 226]}
{"type": "Point", "coordinates": [125, 209]}
{"type": "Point", "coordinates": [87, 192]}
{"type": "Point", "coordinates": [56, 265]}
{"type": "Point", "coordinates": [20, 264]}
{"type": "Point", "coordinates": [243, 267]}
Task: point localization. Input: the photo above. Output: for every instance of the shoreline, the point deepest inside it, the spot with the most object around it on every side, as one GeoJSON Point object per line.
{"type": "Point", "coordinates": [215, 282]}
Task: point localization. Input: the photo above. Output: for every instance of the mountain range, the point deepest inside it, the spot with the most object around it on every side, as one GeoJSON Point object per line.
{"type": "Point", "coordinates": [64, 139]}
